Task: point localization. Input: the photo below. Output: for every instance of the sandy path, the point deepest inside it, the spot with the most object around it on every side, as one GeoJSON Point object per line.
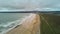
{"type": "Point", "coordinates": [28, 26]}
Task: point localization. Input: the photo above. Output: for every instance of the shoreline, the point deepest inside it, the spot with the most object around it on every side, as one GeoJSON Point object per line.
{"type": "Point", "coordinates": [4, 32]}
{"type": "Point", "coordinates": [29, 25]}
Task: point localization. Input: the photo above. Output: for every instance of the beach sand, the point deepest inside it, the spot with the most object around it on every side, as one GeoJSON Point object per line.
{"type": "Point", "coordinates": [31, 25]}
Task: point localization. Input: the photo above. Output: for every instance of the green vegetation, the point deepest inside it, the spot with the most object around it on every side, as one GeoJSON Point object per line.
{"type": "Point", "coordinates": [50, 24]}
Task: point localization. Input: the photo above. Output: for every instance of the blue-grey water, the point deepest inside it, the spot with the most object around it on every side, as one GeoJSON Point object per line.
{"type": "Point", "coordinates": [7, 20]}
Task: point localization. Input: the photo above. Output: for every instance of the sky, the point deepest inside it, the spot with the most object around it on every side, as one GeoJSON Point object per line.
{"type": "Point", "coordinates": [29, 4]}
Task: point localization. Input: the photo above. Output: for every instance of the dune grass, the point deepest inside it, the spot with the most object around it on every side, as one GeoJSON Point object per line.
{"type": "Point", "coordinates": [50, 24]}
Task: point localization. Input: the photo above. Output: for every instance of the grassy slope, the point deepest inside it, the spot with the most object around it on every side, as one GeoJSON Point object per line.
{"type": "Point", "coordinates": [53, 26]}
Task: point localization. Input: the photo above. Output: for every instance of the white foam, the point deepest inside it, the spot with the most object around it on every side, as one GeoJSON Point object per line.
{"type": "Point", "coordinates": [17, 22]}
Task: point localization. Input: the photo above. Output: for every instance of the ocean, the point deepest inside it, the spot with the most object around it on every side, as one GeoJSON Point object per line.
{"type": "Point", "coordinates": [9, 20]}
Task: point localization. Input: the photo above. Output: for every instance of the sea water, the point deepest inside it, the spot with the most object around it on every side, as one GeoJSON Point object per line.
{"type": "Point", "coordinates": [9, 20]}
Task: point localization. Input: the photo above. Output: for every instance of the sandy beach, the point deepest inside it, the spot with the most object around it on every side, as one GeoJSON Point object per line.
{"type": "Point", "coordinates": [31, 25]}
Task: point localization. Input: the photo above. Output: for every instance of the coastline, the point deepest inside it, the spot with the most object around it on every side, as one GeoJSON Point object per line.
{"type": "Point", "coordinates": [4, 32]}
{"type": "Point", "coordinates": [30, 25]}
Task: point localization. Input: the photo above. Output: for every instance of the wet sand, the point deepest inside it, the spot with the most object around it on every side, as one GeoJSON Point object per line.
{"type": "Point", "coordinates": [31, 25]}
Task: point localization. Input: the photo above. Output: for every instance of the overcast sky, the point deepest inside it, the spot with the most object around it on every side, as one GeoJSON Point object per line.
{"type": "Point", "coordinates": [29, 3]}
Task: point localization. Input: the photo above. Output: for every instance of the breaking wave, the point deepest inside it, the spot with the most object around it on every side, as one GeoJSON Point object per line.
{"type": "Point", "coordinates": [5, 28]}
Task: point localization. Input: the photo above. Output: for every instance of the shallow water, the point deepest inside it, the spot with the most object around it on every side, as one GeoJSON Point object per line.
{"type": "Point", "coordinates": [8, 20]}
